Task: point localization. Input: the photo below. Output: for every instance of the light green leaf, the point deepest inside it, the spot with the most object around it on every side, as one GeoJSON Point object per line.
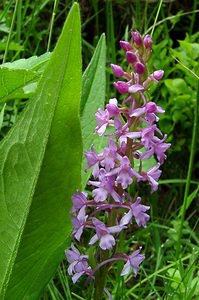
{"type": "Point", "coordinates": [2, 115]}
{"type": "Point", "coordinates": [177, 85]}
{"type": "Point", "coordinates": [93, 96]}
{"type": "Point", "coordinates": [190, 198]}
{"type": "Point", "coordinates": [40, 166]}
{"type": "Point", "coordinates": [14, 80]}
{"type": "Point", "coordinates": [33, 63]}
{"type": "Point", "coordinates": [12, 46]}
{"type": "Point", "coordinates": [19, 79]}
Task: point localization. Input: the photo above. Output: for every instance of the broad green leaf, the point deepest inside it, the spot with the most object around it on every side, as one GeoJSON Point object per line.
{"type": "Point", "coordinates": [40, 166]}
{"type": "Point", "coordinates": [93, 96]}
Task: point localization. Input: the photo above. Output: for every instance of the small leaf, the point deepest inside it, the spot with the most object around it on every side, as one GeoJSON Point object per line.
{"type": "Point", "coordinates": [19, 79]}
{"type": "Point", "coordinates": [93, 96]}
{"type": "Point", "coordinates": [40, 166]}
{"type": "Point", "coordinates": [2, 115]}
{"type": "Point", "coordinates": [14, 80]}
{"type": "Point", "coordinates": [190, 198]}
{"type": "Point", "coordinates": [33, 63]}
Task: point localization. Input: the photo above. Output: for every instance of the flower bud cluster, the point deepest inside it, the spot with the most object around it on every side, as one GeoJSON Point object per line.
{"type": "Point", "coordinates": [133, 136]}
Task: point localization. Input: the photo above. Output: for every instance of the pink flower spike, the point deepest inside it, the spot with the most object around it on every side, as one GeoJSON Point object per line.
{"type": "Point", "coordinates": [117, 70]}
{"type": "Point", "coordinates": [147, 42]}
{"type": "Point", "coordinates": [125, 45]}
{"type": "Point", "coordinates": [121, 86]}
{"type": "Point", "coordinates": [139, 68]}
{"type": "Point", "coordinates": [137, 38]}
{"type": "Point", "coordinates": [131, 57]}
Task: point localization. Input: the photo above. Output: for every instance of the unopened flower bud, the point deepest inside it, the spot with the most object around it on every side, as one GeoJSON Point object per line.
{"type": "Point", "coordinates": [131, 57]}
{"type": "Point", "coordinates": [147, 42]}
{"type": "Point", "coordinates": [125, 45]}
{"type": "Point", "coordinates": [157, 75]}
{"type": "Point", "coordinates": [139, 68]}
{"type": "Point", "coordinates": [137, 38]}
{"type": "Point", "coordinates": [121, 86]}
{"type": "Point", "coordinates": [117, 70]}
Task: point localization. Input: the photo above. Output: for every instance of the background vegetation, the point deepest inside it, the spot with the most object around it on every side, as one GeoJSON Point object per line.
{"type": "Point", "coordinates": [171, 241]}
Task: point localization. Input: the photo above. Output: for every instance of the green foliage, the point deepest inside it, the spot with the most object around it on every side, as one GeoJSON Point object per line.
{"type": "Point", "coordinates": [42, 153]}
{"type": "Point", "coordinates": [40, 169]}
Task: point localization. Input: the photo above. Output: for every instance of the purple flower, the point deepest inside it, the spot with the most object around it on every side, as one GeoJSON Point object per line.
{"type": "Point", "coordinates": [121, 86]}
{"type": "Point", "coordinates": [102, 118]}
{"type": "Point", "coordinates": [117, 70]}
{"type": "Point", "coordinates": [159, 148]}
{"type": "Point", "coordinates": [152, 176]}
{"type": "Point", "coordinates": [79, 200]}
{"type": "Point", "coordinates": [133, 261]}
{"type": "Point", "coordinates": [149, 109]}
{"type": "Point", "coordinates": [78, 263]}
{"type": "Point", "coordinates": [124, 173]}
{"type": "Point", "coordinates": [103, 233]}
{"type": "Point", "coordinates": [112, 108]}
{"type": "Point", "coordinates": [135, 88]}
{"type": "Point", "coordinates": [157, 75]}
{"type": "Point", "coordinates": [138, 211]}
{"type": "Point", "coordinates": [92, 160]}
{"type": "Point", "coordinates": [79, 222]}
{"type": "Point", "coordinates": [105, 187]}
{"type": "Point", "coordinates": [147, 136]}
{"type": "Point", "coordinates": [109, 156]}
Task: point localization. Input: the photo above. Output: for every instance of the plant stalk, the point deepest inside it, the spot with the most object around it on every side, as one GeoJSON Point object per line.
{"type": "Point", "coordinates": [190, 168]}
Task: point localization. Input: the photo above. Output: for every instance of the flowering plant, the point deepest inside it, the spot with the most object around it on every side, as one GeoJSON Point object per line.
{"type": "Point", "coordinates": [133, 136]}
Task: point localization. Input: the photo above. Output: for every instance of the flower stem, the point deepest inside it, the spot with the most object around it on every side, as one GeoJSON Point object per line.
{"type": "Point", "coordinates": [101, 277]}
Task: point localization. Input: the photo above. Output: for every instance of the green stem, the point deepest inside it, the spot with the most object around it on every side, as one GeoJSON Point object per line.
{"type": "Point", "coordinates": [10, 31]}
{"type": "Point", "coordinates": [52, 23]}
{"type": "Point", "coordinates": [156, 17]}
{"type": "Point", "coordinates": [189, 173]}
{"type": "Point", "coordinates": [101, 277]}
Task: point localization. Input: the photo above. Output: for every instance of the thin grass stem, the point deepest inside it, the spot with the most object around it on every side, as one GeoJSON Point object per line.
{"type": "Point", "coordinates": [156, 17]}
{"type": "Point", "coordinates": [10, 31]}
{"type": "Point", "coordinates": [170, 18]}
{"type": "Point", "coordinates": [189, 173]}
{"type": "Point", "coordinates": [56, 2]}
